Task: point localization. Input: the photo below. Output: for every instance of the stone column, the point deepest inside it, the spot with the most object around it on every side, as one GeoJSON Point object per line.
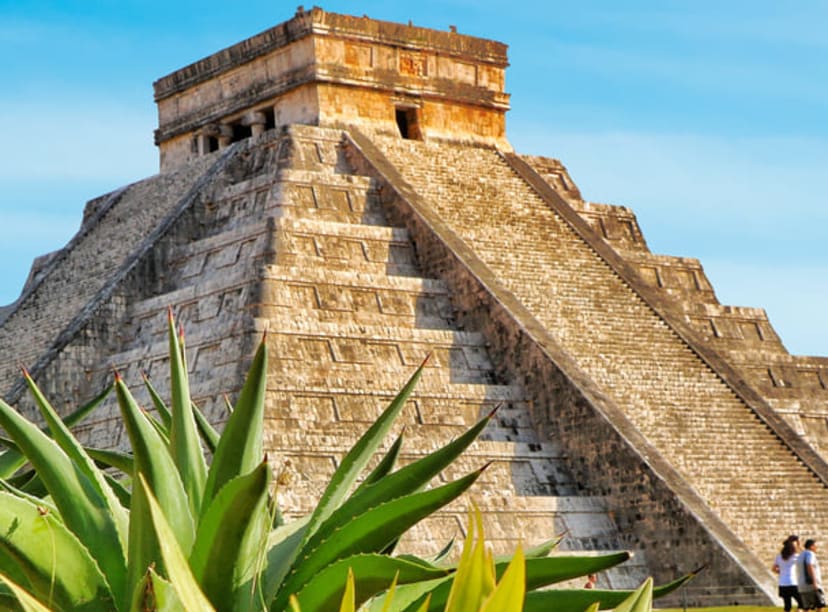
{"type": "Point", "coordinates": [211, 130]}
{"type": "Point", "coordinates": [256, 120]}
{"type": "Point", "coordinates": [225, 136]}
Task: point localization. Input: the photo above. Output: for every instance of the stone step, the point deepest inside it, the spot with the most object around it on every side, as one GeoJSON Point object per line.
{"type": "Point", "coordinates": [311, 243]}
{"type": "Point", "coordinates": [216, 254]}
{"type": "Point", "coordinates": [621, 343]}
{"type": "Point", "coordinates": [354, 296]}
{"type": "Point", "coordinates": [301, 322]}
{"type": "Point", "coordinates": [329, 197]}
{"type": "Point", "coordinates": [354, 278]}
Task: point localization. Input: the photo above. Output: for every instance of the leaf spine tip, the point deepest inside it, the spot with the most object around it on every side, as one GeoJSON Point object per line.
{"type": "Point", "coordinates": [494, 410]}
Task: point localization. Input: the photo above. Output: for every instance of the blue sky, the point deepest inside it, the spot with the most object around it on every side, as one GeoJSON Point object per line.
{"type": "Point", "coordinates": [708, 118]}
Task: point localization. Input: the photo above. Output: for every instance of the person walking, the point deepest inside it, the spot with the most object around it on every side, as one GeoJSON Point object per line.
{"type": "Point", "coordinates": [785, 566]}
{"type": "Point", "coordinates": [810, 578]}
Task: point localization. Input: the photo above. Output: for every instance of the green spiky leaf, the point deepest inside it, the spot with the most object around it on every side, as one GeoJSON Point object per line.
{"type": "Point", "coordinates": [372, 531]}
{"type": "Point", "coordinates": [225, 555]}
{"type": "Point", "coordinates": [184, 440]}
{"type": "Point", "coordinates": [360, 454]}
{"type": "Point", "coordinates": [82, 507]}
{"type": "Point", "coordinates": [239, 450]}
{"type": "Point", "coordinates": [181, 577]}
{"type": "Point", "coordinates": [373, 573]}
{"type": "Point", "coordinates": [40, 546]}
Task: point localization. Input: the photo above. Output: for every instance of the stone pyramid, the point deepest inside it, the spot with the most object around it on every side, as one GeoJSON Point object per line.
{"type": "Point", "coordinates": [347, 185]}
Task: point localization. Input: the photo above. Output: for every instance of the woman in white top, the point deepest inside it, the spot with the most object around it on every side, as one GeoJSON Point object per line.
{"type": "Point", "coordinates": [785, 566]}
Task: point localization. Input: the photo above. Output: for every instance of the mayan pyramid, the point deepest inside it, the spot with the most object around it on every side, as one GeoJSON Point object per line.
{"type": "Point", "coordinates": [347, 185]}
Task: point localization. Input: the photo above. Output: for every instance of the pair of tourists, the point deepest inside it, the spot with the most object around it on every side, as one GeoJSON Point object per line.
{"type": "Point", "coordinates": [800, 579]}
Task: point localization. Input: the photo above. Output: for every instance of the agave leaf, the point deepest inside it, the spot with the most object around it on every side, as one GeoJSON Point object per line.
{"type": "Point", "coordinates": [15, 573]}
{"type": "Point", "coordinates": [411, 597]}
{"type": "Point", "coordinates": [155, 594]}
{"type": "Point", "coordinates": [580, 599]}
{"type": "Point", "coordinates": [83, 509]}
{"type": "Point", "coordinates": [75, 417]}
{"type": "Point", "coordinates": [593, 608]}
{"type": "Point", "coordinates": [544, 571]}
{"type": "Point", "coordinates": [41, 547]}
{"type": "Point", "coordinates": [158, 426]}
{"type": "Point", "coordinates": [641, 599]}
{"type": "Point", "coordinates": [359, 455]}
{"type": "Point", "coordinates": [510, 592]}
{"type": "Point", "coordinates": [426, 604]}
{"type": "Point", "coordinates": [541, 572]}
{"type": "Point", "coordinates": [43, 502]}
{"type": "Point", "coordinates": [164, 414]}
{"type": "Point", "coordinates": [385, 465]}
{"type": "Point", "coordinates": [444, 552]}
{"type": "Point", "coordinates": [153, 462]}
{"type": "Point", "coordinates": [239, 450]}
{"type": "Point", "coordinates": [372, 574]}
{"type": "Point", "coordinates": [120, 489]}
{"type": "Point", "coordinates": [475, 577]}
{"type": "Point", "coordinates": [282, 546]}
{"type": "Point", "coordinates": [389, 596]}
{"type": "Point", "coordinates": [208, 433]}
{"type": "Point", "coordinates": [12, 459]}
{"type": "Point", "coordinates": [224, 555]}
{"type": "Point", "coordinates": [184, 443]}
{"type": "Point", "coordinates": [348, 604]}
{"type": "Point", "coordinates": [404, 481]}
{"type": "Point", "coordinates": [27, 602]}
{"type": "Point", "coordinates": [422, 562]}
{"type": "Point", "coordinates": [181, 577]}
{"type": "Point", "coordinates": [28, 482]}
{"type": "Point", "coordinates": [123, 462]}
{"type": "Point", "coordinates": [75, 451]}
{"type": "Point", "coordinates": [540, 550]}
{"type": "Point", "coordinates": [371, 531]}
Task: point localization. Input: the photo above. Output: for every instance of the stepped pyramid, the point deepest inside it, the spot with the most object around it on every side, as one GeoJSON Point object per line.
{"type": "Point", "coordinates": [347, 185]}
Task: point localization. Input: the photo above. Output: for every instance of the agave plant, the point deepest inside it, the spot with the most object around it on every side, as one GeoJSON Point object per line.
{"type": "Point", "coordinates": [174, 533]}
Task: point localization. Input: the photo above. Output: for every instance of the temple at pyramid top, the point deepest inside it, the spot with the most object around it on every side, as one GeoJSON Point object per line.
{"type": "Point", "coordinates": [325, 69]}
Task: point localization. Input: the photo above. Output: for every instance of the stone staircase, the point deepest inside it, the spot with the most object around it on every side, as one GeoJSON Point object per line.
{"type": "Point", "coordinates": [61, 296]}
{"type": "Point", "coordinates": [287, 239]}
{"type": "Point", "coordinates": [795, 386]}
{"type": "Point", "coordinates": [691, 416]}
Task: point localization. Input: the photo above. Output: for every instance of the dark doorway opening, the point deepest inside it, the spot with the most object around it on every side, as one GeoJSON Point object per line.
{"type": "Point", "coordinates": [240, 132]}
{"type": "Point", "coordinates": [270, 119]}
{"type": "Point", "coordinates": [212, 144]}
{"type": "Point", "coordinates": [408, 123]}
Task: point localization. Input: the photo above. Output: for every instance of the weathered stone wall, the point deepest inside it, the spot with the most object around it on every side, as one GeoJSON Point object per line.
{"type": "Point", "coordinates": [637, 466]}
{"type": "Point", "coordinates": [364, 69]}
{"type": "Point", "coordinates": [634, 400]}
